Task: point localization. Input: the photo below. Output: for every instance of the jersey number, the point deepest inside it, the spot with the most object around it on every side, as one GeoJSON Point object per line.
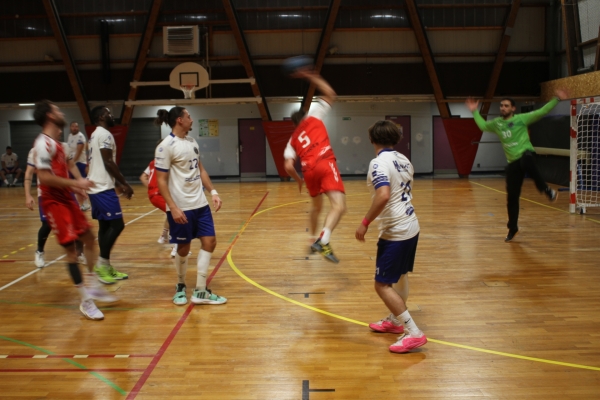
{"type": "Point", "coordinates": [302, 138]}
{"type": "Point", "coordinates": [506, 134]}
{"type": "Point", "coordinates": [193, 163]}
{"type": "Point", "coordinates": [406, 193]}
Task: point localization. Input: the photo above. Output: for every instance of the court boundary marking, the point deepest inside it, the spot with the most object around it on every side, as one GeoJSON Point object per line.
{"type": "Point", "coordinates": [477, 349]}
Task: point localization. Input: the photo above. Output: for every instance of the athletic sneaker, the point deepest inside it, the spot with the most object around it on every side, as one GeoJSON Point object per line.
{"type": "Point", "coordinates": [162, 240]}
{"type": "Point", "coordinates": [551, 194]}
{"type": "Point", "coordinates": [327, 252]}
{"type": "Point", "coordinates": [98, 293]}
{"type": "Point", "coordinates": [316, 246]}
{"type": "Point", "coordinates": [90, 311]}
{"type": "Point", "coordinates": [511, 235]}
{"type": "Point", "coordinates": [207, 297]}
{"type": "Point", "coordinates": [174, 252]}
{"type": "Point", "coordinates": [386, 326]}
{"type": "Point", "coordinates": [84, 207]}
{"type": "Point", "coordinates": [180, 297]}
{"type": "Point", "coordinates": [406, 343]}
{"type": "Point", "coordinates": [116, 274]}
{"type": "Point", "coordinates": [104, 274]}
{"type": "Point", "coordinates": [81, 259]}
{"type": "Point", "coordinates": [39, 259]}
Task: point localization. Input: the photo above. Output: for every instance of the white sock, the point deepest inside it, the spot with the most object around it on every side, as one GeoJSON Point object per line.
{"type": "Point", "coordinates": [82, 292]}
{"type": "Point", "coordinates": [181, 264]}
{"type": "Point", "coordinates": [409, 324]}
{"type": "Point", "coordinates": [401, 287]}
{"type": "Point", "coordinates": [90, 279]}
{"type": "Point", "coordinates": [203, 263]}
{"type": "Point", "coordinates": [14, 181]}
{"type": "Point", "coordinates": [326, 235]}
{"type": "Point", "coordinates": [103, 261]}
{"type": "Point", "coordinates": [6, 181]}
{"type": "Point", "coordinates": [165, 233]}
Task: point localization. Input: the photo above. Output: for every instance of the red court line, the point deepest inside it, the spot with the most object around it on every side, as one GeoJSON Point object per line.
{"type": "Point", "coordinates": [140, 383]}
{"type": "Point", "coordinates": [74, 370]}
{"type": "Point", "coordinates": [1, 261]}
{"type": "Point", "coordinates": [76, 355]}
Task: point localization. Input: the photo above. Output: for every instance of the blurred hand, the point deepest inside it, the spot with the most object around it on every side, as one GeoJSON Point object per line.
{"type": "Point", "coordinates": [472, 104]}
{"type": "Point", "coordinates": [217, 202]}
{"type": "Point", "coordinates": [300, 184]}
{"type": "Point", "coordinates": [360, 232]}
{"type": "Point", "coordinates": [561, 93]}
{"type": "Point", "coordinates": [29, 202]}
{"type": "Point", "coordinates": [178, 216]}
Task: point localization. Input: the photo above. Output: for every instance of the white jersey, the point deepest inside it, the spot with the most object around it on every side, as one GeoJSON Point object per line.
{"type": "Point", "coordinates": [9, 159]}
{"type": "Point", "coordinates": [398, 220]}
{"type": "Point", "coordinates": [74, 141]}
{"type": "Point", "coordinates": [100, 139]}
{"type": "Point", "coordinates": [180, 158]}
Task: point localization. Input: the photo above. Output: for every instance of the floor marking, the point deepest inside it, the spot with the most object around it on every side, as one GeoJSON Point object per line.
{"type": "Point", "coordinates": [306, 390]}
{"type": "Point", "coordinates": [81, 367]}
{"type": "Point", "coordinates": [307, 294]}
{"type": "Point", "coordinates": [35, 271]}
{"type": "Point", "coordinates": [90, 370]}
{"type": "Point", "coordinates": [21, 356]}
{"type": "Point", "coordinates": [535, 202]}
{"type": "Point", "coordinates": [148, 371]}
{"type": "Point", "coordinates": [498, 353]}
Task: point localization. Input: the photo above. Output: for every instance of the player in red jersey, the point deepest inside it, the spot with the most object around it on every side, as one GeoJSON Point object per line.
{"type": "Point", "coordinates": [310, 143]}
{"type": "Point", "coordinates": [62, 211]}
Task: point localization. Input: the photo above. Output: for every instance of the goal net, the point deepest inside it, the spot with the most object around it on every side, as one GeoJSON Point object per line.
{"type": "Point", "coordinates": [585, 154]}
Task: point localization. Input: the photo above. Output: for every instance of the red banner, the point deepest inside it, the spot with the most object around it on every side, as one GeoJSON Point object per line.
{"type": "Point", "coordinates": [119, 132]}
{"type": "Point", "coordinates": [278, 134]}
{"type": "Point", "coordinates": [462, 135]}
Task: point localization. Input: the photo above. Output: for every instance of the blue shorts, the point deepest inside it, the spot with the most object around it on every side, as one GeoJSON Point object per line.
{"type": "Point", "coordinates": [200, 223]}
{"type": "Point", "coordinates": [42, 215]}
{"type": "Point", "coordinates": [81, 167]}
{"type": "Point", "coordinates": [394, 259]}
{"type": "Point", "coordinates": [106, 205]}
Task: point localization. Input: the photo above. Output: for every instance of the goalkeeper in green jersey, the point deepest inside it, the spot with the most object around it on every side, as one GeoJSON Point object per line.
{"type": "Point", "coordinates": [512, 130]}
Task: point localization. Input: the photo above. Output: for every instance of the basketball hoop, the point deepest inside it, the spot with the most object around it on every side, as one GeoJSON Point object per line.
{"type": "Point", "coordinates": [188, 91]}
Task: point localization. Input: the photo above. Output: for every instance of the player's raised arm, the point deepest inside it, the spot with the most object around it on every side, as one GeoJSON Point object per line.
{"type": "Point", "coordinates": [327, 92]}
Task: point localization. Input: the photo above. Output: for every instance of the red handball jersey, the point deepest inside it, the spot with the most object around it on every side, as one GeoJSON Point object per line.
{"type": "Point", "coordinates": [49, 154]}
{"type": "Point", "coordinates": [310, 140]}
{"type": "Point", "coordinates": [152, 183]}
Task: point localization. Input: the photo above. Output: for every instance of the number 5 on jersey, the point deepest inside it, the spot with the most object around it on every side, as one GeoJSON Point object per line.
{"type": "Point", "coordinates": [305, 140]}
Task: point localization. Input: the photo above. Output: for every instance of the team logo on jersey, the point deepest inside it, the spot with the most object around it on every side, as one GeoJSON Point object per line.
{"type": "Point", "coordinates": [160, 149]}
{"type": "Point", "coordinates": [375, 166]}
{"type": "Point", "coordinates": [108, 214]}
{"type": "Point", "coordinates": [196, 150]}
{"type": "Point", "coordinates": [511, 125]}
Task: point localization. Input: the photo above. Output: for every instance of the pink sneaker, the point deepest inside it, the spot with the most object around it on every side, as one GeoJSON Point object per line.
{"type": "Point", "coordinates": [406, 343]}
{"type": "Point", "coordinates": [386, 326]}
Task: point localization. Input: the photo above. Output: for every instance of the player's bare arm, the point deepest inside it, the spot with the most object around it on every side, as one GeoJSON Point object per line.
{"type": "Point", "coordinates": [207, 183]}
{"type": "Point", "coordinates": [162, 179]}
{"type": "Point", "coordinates": [77, 175]}
{"type": "Point", "coordinates": [291, 170]}
{"type": "Point", "coordinates": [78, 152]}
{"type": "Point", "coordinates": [327, 92]}
{"type": "Point", "coordinates": [381, 198]}
{"type": "Point", "coordinates": [472, 104]}
{"type": "Point", "coordinates": [145, 179]}
{"type": "Point", "coordinates": [49, 179]}
{"type": "Point", "coordinates": [29, 201]}
{"type": "Point", "coordinates": [113, 170]}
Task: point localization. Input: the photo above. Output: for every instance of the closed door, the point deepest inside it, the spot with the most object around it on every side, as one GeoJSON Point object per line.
{"type": "Point", "coordinates": [443, 159]}
{"type": "Point", "coordinates": [403, 123]}
{"type": "Point", "coordinates": [252, 147]}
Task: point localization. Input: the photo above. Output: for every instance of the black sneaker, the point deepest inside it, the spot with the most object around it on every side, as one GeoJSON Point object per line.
{"type": "Point", "coordinates": [316, 246]}
{"type": "Point", "coordinates": [511, 235]}
{"type": "Point", "coordinates": [327, 252]}
{"type": "Point", "coordinates": [551, 194]}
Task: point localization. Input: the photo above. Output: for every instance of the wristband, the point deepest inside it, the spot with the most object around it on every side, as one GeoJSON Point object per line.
{"type": "Point", "coordinates": [365, 222]}
{"type": "Point", "coordinates": [214, 192]}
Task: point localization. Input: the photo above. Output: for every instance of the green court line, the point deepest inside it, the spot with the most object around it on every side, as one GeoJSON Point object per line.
{"type": "Point", "coordinates": [97, 375]}
{"type": "Point", "coordinates": [177, 310]}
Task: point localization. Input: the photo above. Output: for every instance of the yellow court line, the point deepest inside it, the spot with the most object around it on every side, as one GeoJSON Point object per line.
{"type": "Point", "coordinates": [462, 346]}
{"type": "Point", "coordinates": [535, 202]}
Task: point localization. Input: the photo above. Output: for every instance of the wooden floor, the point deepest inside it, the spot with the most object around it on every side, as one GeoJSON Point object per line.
{"type": "Point", "coordinates": [504, 321]}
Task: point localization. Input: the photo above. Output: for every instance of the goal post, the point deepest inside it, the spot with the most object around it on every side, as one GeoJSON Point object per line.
{"type": "Point", "coordinates": [584, 154]}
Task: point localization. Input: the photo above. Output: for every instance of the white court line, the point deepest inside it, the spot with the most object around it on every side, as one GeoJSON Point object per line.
{"type": "Point", "coordinates": [61, 257]}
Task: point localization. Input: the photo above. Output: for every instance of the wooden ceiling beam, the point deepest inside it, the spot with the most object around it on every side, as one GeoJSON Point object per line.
{"type": "Point", "coordinates": [141, 59]}
{"type": "Point", "coordinates": [322, 49]}
{"type": "Point", "coordinates": [242, 46]}
{"type": "Point", "coordinates": [426, 53]}
{"type": "Point", "coordinates": [509, 25]}
{"type": "Point", "coordinates": [568, 20]}
{"type": "Point", "coordinates": [65, 51]}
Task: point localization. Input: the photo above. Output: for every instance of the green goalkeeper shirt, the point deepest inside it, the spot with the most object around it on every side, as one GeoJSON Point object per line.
{"type": "Point", "coordinates": [513, 132]}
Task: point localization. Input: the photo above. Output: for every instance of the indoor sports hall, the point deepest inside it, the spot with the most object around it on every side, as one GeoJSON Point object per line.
{"type": "Point", "coordinates": [507, 313]}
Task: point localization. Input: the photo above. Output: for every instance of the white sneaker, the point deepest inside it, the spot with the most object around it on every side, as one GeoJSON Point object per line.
{"type": "Point", "coordinates": [39, 259]}
{"type": "Point", "coordinates": [98, 293]}
{"type": "Point", "coordinates": [162, 240]}
{"type": "Point", "coordinates": [174, 252]}
{"type": "Point", "coordinates": [90, 311]}
{"type": "Point", "coordinates": [81, 259]}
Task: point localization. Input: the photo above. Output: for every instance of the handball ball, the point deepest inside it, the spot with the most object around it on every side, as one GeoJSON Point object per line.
{"type": "Point", "coordinates": [292, 64]}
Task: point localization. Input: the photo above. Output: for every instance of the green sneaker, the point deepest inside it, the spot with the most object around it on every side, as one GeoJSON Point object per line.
{"type": "Point", "coordinates": [180, 298]}
{"type": "Point", "coordinates": [104, 274]}
{"type": "Point", "coordinates": [327, 252]}
{"type": "Point", "coordinates": [207, 297]}
{"type": "Point", "coordinates": [116, 274]}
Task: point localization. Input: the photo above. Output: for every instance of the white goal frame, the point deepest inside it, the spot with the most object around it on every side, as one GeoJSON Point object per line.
{"type": "Point", "coordinates": [576, 155]}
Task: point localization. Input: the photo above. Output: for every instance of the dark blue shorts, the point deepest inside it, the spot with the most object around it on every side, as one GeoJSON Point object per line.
{"type": "Point", "coordinates": [106, 205]}
{"type": "Point", "coordinates": [394, 259]}
{"type": "Point", "coordinates": [200, 223]}
{"type": "Point", "coordinates": [81, 167]}
{"type": "Point", "coordinates": [42, 215]}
